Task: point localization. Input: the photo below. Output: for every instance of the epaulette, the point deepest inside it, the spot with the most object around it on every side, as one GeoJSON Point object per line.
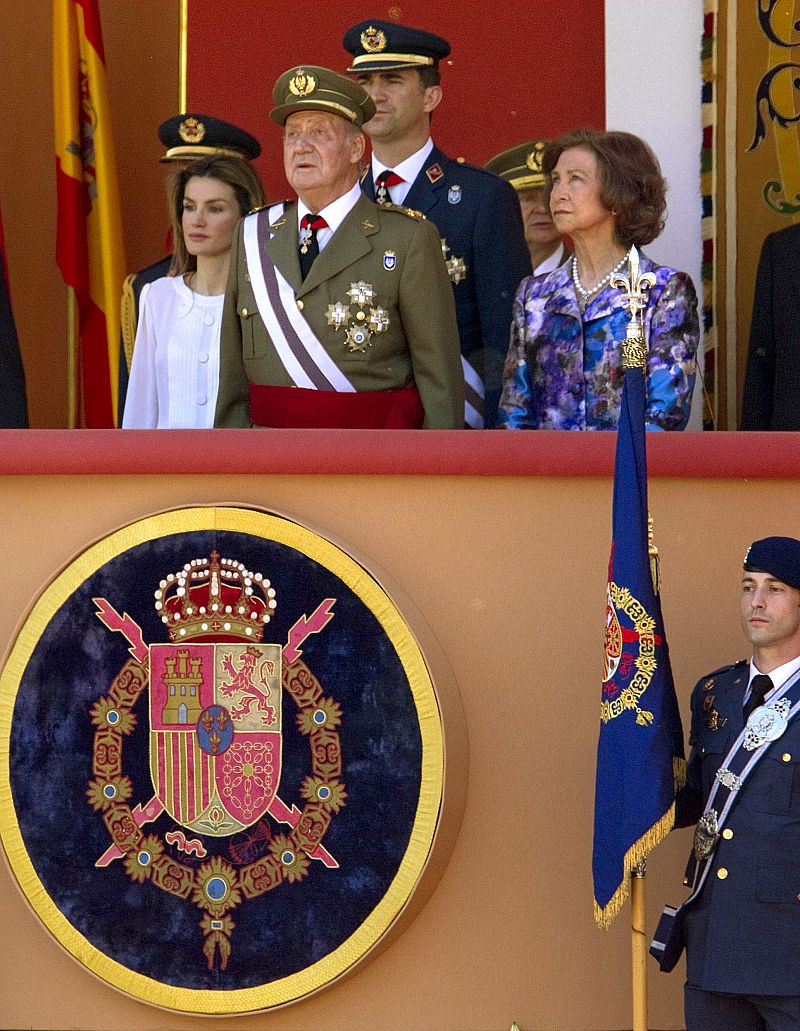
{"type": "Point", "coordinates": [726, 669]}
{"type": "Point", "coordinates": [268, 205]}
{"type": "Point", "coordinates": [408, 212]}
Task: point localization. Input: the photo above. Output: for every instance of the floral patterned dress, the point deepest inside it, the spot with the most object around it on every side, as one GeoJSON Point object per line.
{"type": "Point", "coordinates": [564, 370]}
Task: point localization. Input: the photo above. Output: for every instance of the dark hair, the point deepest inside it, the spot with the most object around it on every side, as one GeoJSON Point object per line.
{"type": "Point", "coordinates": [632, 186]}
{"type": "Point", "coordinates": [237, 173]}
{"type": "Point", "coordinates": [429, 75]}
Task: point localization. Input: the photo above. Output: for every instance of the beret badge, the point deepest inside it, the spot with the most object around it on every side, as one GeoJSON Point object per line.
{"type": "Point", "coordinates": [301, 84]}
{"type": "Point", "coordinates": [373, 40]}
{"type": "Point", "coordinates": [534, 158]}
{"type": "Point", "coordinates": [191, 130]}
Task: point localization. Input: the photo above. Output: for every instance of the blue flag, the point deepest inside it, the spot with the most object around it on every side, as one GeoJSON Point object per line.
{"type": "Point", "coordinates": [640, 757]}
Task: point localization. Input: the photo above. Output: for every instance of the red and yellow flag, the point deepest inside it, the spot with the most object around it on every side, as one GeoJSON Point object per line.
{"type": "Point", "coordinates": [89, 245]}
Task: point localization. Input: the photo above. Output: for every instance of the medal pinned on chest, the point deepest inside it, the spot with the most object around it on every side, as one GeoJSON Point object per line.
{"type": "Point", "coordinates": [361, 319]}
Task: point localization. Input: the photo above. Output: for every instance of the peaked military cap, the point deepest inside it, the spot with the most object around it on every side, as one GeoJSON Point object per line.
{"type": "Point", "coordinates": [378, 45]}
{"type": "Point", "coordinates": [308, 87]}
{"type": "Point", "coordinates": [520, 165]}
{"type": "Point", "coordinates": [778, 556]}
{"type": "Point", "coordinates": [191, 136]}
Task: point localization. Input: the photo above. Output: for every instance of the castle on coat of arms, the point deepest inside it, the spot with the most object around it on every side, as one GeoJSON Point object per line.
{"type": "Point", "coordinates": [183, 689]}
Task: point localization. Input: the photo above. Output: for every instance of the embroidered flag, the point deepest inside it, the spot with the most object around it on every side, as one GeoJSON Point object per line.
{"type": "Point", "coordinates": [13, 405]}
{"type": "Point", "coordinates": [89, 247]}
{"type": "Point", "coordinates": [640, 757]}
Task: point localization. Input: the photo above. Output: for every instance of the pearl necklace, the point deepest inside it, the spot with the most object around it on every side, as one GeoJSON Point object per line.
{"type": "Point", "coordinates": [585, 294]}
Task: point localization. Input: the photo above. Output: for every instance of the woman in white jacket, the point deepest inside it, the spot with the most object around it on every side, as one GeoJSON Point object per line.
{"type": "Point", "coordinates": [175, 370]}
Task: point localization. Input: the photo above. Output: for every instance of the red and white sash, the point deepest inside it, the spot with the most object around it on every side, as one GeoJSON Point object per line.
{"type": "Point", "coordinates": [302, 354]}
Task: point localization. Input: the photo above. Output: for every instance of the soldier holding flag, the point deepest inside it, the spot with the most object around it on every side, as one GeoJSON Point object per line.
{"type": "Point", "coordinates": [742, 920]}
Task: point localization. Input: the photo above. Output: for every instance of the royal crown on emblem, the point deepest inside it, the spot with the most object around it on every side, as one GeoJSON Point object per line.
{"type": "Point", "coordinates": [215, 597]}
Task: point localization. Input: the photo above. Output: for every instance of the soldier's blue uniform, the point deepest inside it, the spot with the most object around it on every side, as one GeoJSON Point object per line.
{"type": "Point", "coordinates": [476, 213]}
{"type": "Point", "coordinates": [742, 932]}
{"type": "Point", "coordinates": [478, 216]}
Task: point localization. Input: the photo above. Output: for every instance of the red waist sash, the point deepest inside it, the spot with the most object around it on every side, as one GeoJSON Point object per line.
{"type": "Point", "coordinates": [299, 408]}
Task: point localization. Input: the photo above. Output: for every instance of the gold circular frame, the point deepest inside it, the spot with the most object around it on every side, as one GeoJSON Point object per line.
{"type": "Point", "coordinates": [350, 952]}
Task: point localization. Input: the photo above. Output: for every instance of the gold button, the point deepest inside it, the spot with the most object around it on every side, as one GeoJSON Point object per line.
{"type": "Point", "coordinates": [361, 315]}
{"type": "Point", "coordinates": [300, 305]}
{"type": "Point", "coordinates": [722, 873]}
{"type": "Point", "coordinates": [786, 757]}
{"type": "Point", "coordinates": [245, 312]}
{"type": "Point", "coordinates": [727, 834]}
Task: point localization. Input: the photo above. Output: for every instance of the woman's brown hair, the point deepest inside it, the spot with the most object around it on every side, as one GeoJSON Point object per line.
{"type": "Point", "coordinates": [632, 186]}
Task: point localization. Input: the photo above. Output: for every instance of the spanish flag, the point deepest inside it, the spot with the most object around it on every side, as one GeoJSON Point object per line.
{"type": "Point", "coordinates": [89, 246]}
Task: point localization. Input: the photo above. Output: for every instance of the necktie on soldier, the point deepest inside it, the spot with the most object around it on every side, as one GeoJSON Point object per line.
{"type": "Point", "coordinates": [309, 244]}
{"type": "Point", "coordinates": [383, 181]}
{"type": "Point", "coordinates": [760, 687]}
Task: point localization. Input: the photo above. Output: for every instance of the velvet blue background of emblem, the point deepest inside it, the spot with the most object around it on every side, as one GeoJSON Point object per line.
{"type": "Point", "coordinates": [635, 781]}
{"type": "Point", "coordinates": [138, 925]}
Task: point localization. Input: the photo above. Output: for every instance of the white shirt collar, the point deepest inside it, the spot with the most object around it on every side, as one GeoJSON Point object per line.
{"type": "Point", "coordinates": [408, 170]}
{"type": "Point", "coordinates": [334, 213]}
{"type": "Point", "coordinates": [551, 264]}
{"type": "Point", "coordinates": [778, 676]}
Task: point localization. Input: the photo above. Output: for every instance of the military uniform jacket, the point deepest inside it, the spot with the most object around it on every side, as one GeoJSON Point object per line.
{"type": "Point", "coordinates": [743, 931]}
{"type": "Point", "coordinates": [479, 216]}
{"type": "Point", "coordinates": [400, 258]}
{"type": "Point", "coordinates": [771, 399]}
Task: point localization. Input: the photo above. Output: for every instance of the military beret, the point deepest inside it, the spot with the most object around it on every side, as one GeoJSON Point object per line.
{"type": "Point", "coordinates": [377, 45]}
{"type": "Point", "coordinates": [191, 136]}
{"type": "Point", "coordinates": [311, 88]}
{"type": "Point", "coordinates": [520, 165]}
{"type": "Point", "coordinates": [778, 556]}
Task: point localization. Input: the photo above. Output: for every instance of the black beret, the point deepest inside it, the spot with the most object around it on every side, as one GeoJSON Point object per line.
{"type": "Point", "coordinates": [191, 136]}
{"type": "Point", "coordinates": [377, 45]}
{"type": "Point", "coordinates": [778, 556]}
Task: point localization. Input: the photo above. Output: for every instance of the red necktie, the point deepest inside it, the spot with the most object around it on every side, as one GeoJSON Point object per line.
{"type": "Point", "coordinates": [309, 245]}
{"type": "Point", "coordinates": [384, 180]}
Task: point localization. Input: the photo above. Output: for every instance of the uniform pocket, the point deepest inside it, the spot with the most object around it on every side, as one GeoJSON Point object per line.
{"type": "Point", "coordinates": [778, 882]}
{"type": "Point", "coordinates": [254, 343]}
{"type": "Point", "coordinates": [782, 795]}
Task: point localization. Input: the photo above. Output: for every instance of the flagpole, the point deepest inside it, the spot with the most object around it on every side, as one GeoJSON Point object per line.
{"type": "Point", "coordinates": [638, 948]}
{"type": "Point", "coordinates": [183, 55]}
{"type": "Point", "coordinates": [72, 359]}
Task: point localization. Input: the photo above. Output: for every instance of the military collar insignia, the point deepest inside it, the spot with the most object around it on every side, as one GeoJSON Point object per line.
{"type": "Point", "coordinates": [191, 130]}
{"type": "Point", "coordinates": [366, 224]}
{"type": "Point", "coordinates": [434, 172]}
{"type": "Point", "coordinates": [373, 40]}
{"type": "Point", "coordinates": [302, 84]}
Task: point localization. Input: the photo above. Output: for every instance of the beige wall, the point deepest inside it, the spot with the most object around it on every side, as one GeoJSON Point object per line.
{"type": "Point", "coordinates": [510, 574]}
{"type": "Point", "coordinates": [141, 43]}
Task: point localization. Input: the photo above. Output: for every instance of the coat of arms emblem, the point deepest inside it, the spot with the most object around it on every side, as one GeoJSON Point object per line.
{"type": "Point", "coordinates": [215, 714]}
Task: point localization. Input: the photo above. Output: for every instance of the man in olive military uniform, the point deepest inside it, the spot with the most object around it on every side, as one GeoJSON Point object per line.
{"type": "Point", "coordinates": [741, 925]}
{"type": "Point", "coordinates": [187, 138]}
{"type": "Point", "coordinates": [338, 312]}
{"type": "Point", "coordinates": [522, 167]}
{"type": "Point", "coordinates": [476, 213]}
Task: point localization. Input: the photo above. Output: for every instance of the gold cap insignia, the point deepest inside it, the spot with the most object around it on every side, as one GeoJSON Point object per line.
{"type": "Point", "coordinates": [535, 158]}
{"type": "Point", "coordinates": [302, 84]}
{"type": "Point", "coordinates": [373, 40]}
{"type": "Point", "coordinates": [191, 131]}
